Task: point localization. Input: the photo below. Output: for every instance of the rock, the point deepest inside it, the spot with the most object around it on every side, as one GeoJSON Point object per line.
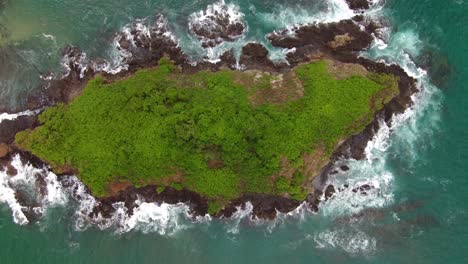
{"type": "Point", "coordinates": [344, 168]}
{"type": "Point", "coordinates": [9, 128]}
{"type": "Point", "coordinates": [365, 187]}
{"type": "Point", "coordinates": [4, 150]}
{"type": "Point", "coordinates": [358, 4]}
{"type": "Point", "coordinates": [318, 37]}
{"type": "Point", "coordinates": [265, 206]}
{"type": "Point", "coordinates": [218, 23]}
{"type": "Point", "coordinates": [255, 54]}
{"type": "Point", "coordinates": [11, 171]}
{"type": "Point", "coordinates": [198, 204]}
{"type": "Point", "coordinates": [329, 192]}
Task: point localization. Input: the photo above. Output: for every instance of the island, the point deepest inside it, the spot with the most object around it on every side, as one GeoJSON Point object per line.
{"type": "Point", "coordinates": [213, 135]}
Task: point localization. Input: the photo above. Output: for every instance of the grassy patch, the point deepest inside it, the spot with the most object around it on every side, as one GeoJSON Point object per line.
{"type": "Point", "coordinates": [160, 122]}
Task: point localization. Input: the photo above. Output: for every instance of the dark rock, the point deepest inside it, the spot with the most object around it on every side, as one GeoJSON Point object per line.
{"type": "Point", "coordinates": [365, 187]}
{"type": "Point", "coordinates": [319, 36]}
{"type": "Point", "coordinates": [255, 55]}
{"type": "Point", "coordinates": [11, 171]}
{"type": "Point", "coordinates": [329, 192]}
{"type": "Point", "coordinates": [216, 25]}
{"type": "Point", "coordinates": [228, 58]}
{"type": "Point", "coordinates": [358, 4]}
{"type": "Point", "coordinates": [9, 128]}
{"type": "Point", "coordinates": [198, 204]}
{"type": "Point", "coordinates": [313, 199]}
{"type": "Point", "coordinates": [344, 168]}
{"type": "Point", "coordinates": [265, 206]}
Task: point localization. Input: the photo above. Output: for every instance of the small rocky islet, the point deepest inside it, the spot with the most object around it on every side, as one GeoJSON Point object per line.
{"type": "Point", "coordinates": [211, 135]}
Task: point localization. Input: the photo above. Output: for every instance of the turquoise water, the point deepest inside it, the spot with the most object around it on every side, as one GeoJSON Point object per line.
{"type": "Point", "coordinates": [419, 213]}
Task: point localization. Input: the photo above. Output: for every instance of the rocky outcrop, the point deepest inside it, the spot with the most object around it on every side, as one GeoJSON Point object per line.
{"type": "Point", "coordinates": [220, 22]}
{"type": "Point", "coordinates": [9, 128]}
{"type": "Point", "coordinates": [358, 4]}
{"type": "Point", "coordinates": [264, 206]}
{"type": "Point", "coordinates": [131, 195]}
{"type": "Point", "coordinates": [320, 37]}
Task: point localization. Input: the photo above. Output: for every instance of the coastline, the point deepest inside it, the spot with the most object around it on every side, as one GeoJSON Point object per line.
{"type": "Point", "coordinates": [254, 56]}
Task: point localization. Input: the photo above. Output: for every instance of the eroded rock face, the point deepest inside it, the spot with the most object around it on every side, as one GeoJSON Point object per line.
{"type": "Point", "coordinates": [9, 128]}
{"type": "Point", "coordinates": [265, 206]}
{"type": "Point", "coordinates": [323, 36]}
{"type": "Point", "coordinates": [218, 23]}
{"type": "Point", "coordinates": [131, 195]}
{"type": "Point", "coordinates": [146, 42]}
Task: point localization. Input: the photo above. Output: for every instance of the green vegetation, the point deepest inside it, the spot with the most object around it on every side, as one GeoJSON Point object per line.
{"type": "Point", "coordinates": [201, 132]}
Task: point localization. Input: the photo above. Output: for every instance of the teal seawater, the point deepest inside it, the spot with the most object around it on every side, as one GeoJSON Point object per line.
{"type": "Point", "coordinates": [420, 214]}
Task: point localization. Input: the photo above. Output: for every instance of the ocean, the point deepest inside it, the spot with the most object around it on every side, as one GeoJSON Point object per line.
{"type": "Point", "coordinates": [418, 212]}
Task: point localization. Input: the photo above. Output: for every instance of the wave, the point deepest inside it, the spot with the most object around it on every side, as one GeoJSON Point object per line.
{"type": "Point", "coordinates": [220, 22]}
{"type": "Point", "coordinates": [293, 16]}
{"type": "Point", "coordinates": [30, 192]}
{"type": "Point", "coordinates": [8, 116]}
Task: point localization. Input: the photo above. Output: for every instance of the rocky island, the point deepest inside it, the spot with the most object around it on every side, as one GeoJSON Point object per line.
{"type": "Point", "coordinates": [212, 135]}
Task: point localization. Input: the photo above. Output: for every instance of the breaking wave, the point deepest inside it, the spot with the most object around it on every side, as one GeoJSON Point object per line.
{"type": "Point", "coordinates": [218, 23]}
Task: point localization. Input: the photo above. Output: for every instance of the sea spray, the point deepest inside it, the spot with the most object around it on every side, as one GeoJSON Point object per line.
{"type": "Point", "coordinates": [8, 116]}
{"type": "Point", "coordinates": [26, 181]}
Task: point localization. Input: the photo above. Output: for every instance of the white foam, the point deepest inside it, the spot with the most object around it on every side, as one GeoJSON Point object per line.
{"type": "Point", "coordinates": [120, 57]}
{"type": "Point", "coordinates": [164, 219]}
{"type": "Point", "coordinates": [292, 17]}
{"type": "Point", "coordinates": [8, 116]}
{"type": "Point", "coordinates": [206, 20]}
{"type": "Point", "coordinates": [351, 241]}
{"type": "Point", "coordinates": [26, 179]}
{"type": "Point", "coordinates": [7, 196]}
{"type": "Point", "coordinates": [242, 213]}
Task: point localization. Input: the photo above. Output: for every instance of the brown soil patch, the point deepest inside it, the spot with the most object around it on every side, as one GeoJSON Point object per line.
{"type": "Point", "coordinates": [177, 177]}
{"type": "Point", "coordinates": [215, 164]}
{"type": "Point", "coordinates": [271, 88]}
{"type": "Point", "coordinates": [314, 162]}
{"type": "Point", "coordinates": [118, 186]}
{"type": "Point", "coordinates": [65, 170]}
{"type": "Point", "coordinates": [287, 169]}
{"type": "Point", "coordinates": [341, 70]}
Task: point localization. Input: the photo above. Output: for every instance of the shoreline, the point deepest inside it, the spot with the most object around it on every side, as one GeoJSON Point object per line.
{"type": "Point", "coordinates": [311, 42]}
